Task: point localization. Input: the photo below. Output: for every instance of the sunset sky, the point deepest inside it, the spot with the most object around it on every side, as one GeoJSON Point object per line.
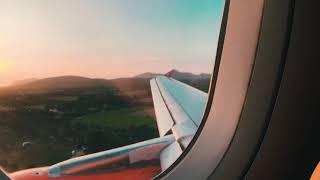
{"type": "Point", "coordinates": [106, 38]}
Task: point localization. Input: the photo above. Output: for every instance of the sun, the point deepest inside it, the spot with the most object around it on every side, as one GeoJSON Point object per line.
{"type": "Point", "coordinates": [4, 66]}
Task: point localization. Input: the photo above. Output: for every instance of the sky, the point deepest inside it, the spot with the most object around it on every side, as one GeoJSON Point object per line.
{"type": "Point", "coordinates": [106, 38]}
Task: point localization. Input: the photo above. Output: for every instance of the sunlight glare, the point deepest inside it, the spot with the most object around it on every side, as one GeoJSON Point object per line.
{"type": "Point", "coordinates": [5, 65]}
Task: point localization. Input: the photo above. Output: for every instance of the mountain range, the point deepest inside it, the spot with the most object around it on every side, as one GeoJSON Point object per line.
{"type": "Point", "coordinates": [134, 83]}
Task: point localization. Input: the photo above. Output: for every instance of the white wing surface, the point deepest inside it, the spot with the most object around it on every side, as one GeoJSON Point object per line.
{"type": "Point", "coordinates": [179, 109]}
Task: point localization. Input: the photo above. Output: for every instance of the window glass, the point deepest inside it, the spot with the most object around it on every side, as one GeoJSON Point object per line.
{"type": "Point", "coordinates": [87, 76]}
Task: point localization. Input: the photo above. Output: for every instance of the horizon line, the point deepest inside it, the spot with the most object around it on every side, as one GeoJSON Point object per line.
{"type": "Point", "coordinates": [12, 83]}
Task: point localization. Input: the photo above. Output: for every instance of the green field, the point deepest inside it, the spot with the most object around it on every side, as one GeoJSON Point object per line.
{"type": "Point", "coordinates": [65, 114]}
{"type": "Point", "coordinates": [59, 122]}
{"type": "Point", "coordinates": [123, 118]}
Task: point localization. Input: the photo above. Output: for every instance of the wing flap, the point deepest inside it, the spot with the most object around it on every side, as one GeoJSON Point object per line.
{"type": "Point", "coordinates": [131, 154]}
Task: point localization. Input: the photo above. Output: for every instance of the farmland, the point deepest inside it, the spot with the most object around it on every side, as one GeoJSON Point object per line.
{"type": "Point", "coordinates": [50, 120]}
{"type": "Point", "coordinates": [86, 119]}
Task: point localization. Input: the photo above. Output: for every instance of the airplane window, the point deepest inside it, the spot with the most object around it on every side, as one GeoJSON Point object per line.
{"type": "Point", "coordinates": [98, 89]}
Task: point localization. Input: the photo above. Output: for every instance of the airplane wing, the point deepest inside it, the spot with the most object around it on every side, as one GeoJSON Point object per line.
{"type": "Point", "coordinates": [179, 109]}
